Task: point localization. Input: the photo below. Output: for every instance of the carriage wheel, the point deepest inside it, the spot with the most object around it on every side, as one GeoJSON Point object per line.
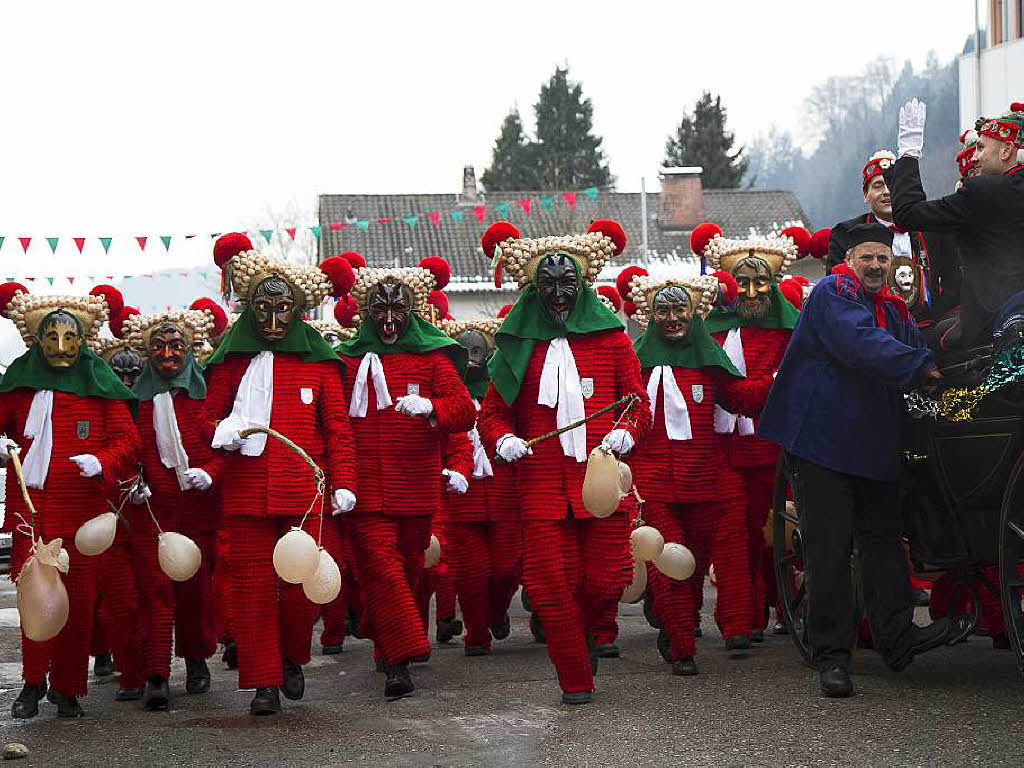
{"type": "Point", "coordinates": [788, 552]}
{"type": "Point", "coordinates": [1011, 560]}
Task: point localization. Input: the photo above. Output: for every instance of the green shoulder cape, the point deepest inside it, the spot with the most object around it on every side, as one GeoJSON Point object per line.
{"type": "Point", "coordinates": [781, 317]}
{"type": "Point", "coordinates": [89, 377]}
{"type": "Point", "coordinates": [302, 338]}
{"type": "Point", "coordinates": [418, 337]}
{"type": "Point", "coordinates": [190, 378]}
{"type": "Point", "coordinates": [698, 351]}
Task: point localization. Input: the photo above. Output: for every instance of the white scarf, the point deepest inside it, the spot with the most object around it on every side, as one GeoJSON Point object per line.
{"type": "Point", "coordinates": [253, 402]}
{"type": "Point", "coordinates": [168, 437]}
{"type": "Point", "coordinates": [481, 463]}
{"type": "Point", "coordinates": [369, 366]}
{"type": "Point", "coordinates": [39, 426]}
{"type": "Point", "coordinates": [560, 386]}
{"type": "Point", "coordinates": [677, 417]}
{"type": "Point", "coordinates": [726, 423]}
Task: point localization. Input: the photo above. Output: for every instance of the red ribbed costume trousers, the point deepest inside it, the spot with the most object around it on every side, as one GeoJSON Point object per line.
{"type": "Point", "coordinates": [195, 604]}
{"type": "Point", "coordinates": [65, 656]}
{"type": "Point", "coordinates": [760, 488]}
{"type": "Point", "coordinates": [485, 562]}
{"type": "Point", "coordinates": [271, 619]}
{"type": "Point", "coordinates": [156, 594]}
{"type": "Point", "coordinates": [389, 559]}
{"type": "Point", "coordinates": [606, 629]}
{"type": "Point", "coordinates": [99, 643]}
{"type": "Point", "coordinates": [714, 532]}
{"type": "Point", "coordinates": [119, 610]}
{"type": "Point", "coordinates": [334, 614]}
{"type": "Point", "coordinates": [572, 570]}
{"type": "Point", "coordinates": [222, 587]}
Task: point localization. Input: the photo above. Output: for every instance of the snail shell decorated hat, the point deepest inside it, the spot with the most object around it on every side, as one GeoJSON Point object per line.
{"type": "Point", "coordinates": [519, 256]}
{"type": "Point", "coordinates": [245, 268]}
{"type": "Point", "coordinates": [487, 326]}
{"type": "Point", "coordinates": [432, 274]}
{"type": "Point", "coordinates": [323, 327]}
{"type": "Point", "coordinates": [27, 311]}
{"type": "Point", "coordinates": [639, 289]}
{"type": "Point", "coordinates": [203, 321]}
{"type": "Point", "coordinates": [106, 348]}
{"type": "Point", "coordinates": [724, 253]}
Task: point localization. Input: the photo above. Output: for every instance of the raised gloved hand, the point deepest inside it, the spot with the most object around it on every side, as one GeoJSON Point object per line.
{"type": "Point", "coordinates": [910, 141]}
{"type": "Point", "coordinates": [140, 494]}
{"type": "Point", "coordinates": [342, 501]}
{"type": "Point", "coordinates": [414, 405]}
{"type": "Point", "coordinates": [198, 479]}
{"type": "Point", "coordinates": [512, 448]}
{"type": "Point", "coordinates": [457, 482]}
{"type": "Point", "coordinates": [619, 440]}
{"type": "Point", "coordinates": [6, 446]}
{"type": "Point", "coordinates": [88, 465]}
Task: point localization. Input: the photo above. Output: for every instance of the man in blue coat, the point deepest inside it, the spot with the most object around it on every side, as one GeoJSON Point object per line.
{"type": "Point", "coordinates": [836, 408]}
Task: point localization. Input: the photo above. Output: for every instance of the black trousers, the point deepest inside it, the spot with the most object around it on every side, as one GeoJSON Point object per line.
{"type": "Point", "coordinates": [837, 510]}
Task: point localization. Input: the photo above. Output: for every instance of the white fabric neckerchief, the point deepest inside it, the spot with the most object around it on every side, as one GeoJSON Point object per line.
{"type": "Point", "coordinates": [726, 423]}
{"type": "Point", "coordinates": [900, 240]}
{"type": "Point", "coordinates": [253, 402]}
{"type": "Point", "coordinates": [560, 387]}
{"type": "Point", "coordinates": [481, 463]}
{"type": "Point", "coordinates": [369, 366]}
{"type": "Point", "coordinates": [39, 426]}
{"type": "Point", "coordinates": [168, 437]}
{"type": "Point", "coordinates": [677, 417]}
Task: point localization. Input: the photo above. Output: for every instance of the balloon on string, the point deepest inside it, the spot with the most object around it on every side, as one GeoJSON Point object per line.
{"type": "Point", "coordinates": [634, 593]}
{"type": "Point", "coordinates": [676, 562]}
{"type": "Point", "coordinates": [325, 583]}
{"type": "Point", "coordinates": [296, 556]}
{"type": "Point", "coordinates": [432, 554]}
{"type": "Point", "coordinates": [646, 542]}
{"type": "Point", "coordinates": [95, 536]}
{"type": "Point", "coordinates": [179, 556]}
{"type": "Point", "coordinates": [42, 597]}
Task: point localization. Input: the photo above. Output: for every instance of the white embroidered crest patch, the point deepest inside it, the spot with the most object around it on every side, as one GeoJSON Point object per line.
{"type": "Point", "coordinates": [306, 395]}
{"type": "Point", "coordinates": [587, 386]}
{"type": "Point", "coordinates": [412, 389]}
{"type": "Point", "coordinates": [697, 390]}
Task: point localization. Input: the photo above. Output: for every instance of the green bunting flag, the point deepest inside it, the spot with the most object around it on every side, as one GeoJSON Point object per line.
{"type": "Point", "coordinates": [591, 192]}
{"type": "Point", "coordinates": [315, 229]}
{"type": "Point", "coordinates": [166, 240]}
{"type": "Point", "coordinates": [53, 243]}
{"type": "Point", "coordinates": [412, 220]}
{"type": "Point", "coordinates": [267, 234]}
{"type": "Point", "coordinates": [363, 224]}
{"type": "Point", "coordinates": [50, 280]}
{"type": "Point", "coordinates": [105, 242]}
{"type": "Point", "coordinates": [457, 215]}
{"type": "Point", "coordinates": [548, 202]}
{"type": "Point", "coordinates": [2, 245]}
{"type": "Point", "coordinates": [502, 210]}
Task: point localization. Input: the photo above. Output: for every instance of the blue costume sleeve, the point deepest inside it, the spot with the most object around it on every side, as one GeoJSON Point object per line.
{"type": "Point", "coordinates": [847, 330]}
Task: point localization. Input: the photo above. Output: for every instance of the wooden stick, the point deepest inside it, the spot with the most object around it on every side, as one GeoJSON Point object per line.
{"type": "Point", "coordinates": [16, 462]}
{"type": "Point", "coordinates": [630, 399]}
{"type": "Point", "coordinates": [318, 473]}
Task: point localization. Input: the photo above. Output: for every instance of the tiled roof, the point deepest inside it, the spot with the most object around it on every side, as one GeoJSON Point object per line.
{"type": "Point", "coordinates": [738, 211]}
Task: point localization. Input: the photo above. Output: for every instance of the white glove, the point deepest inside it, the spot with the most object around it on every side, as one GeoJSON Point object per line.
{"type": "Point", "coordinates": [457, 482]}
{"type": "Point", "coordinates": [198, 479]}
{"type": "Point", "coordinates": [910, 141]}
{"type": "Point", "coordinates": [414, 405]}
{"type": "Point", "coordinates": [6, 446]}
{"type": "Point", "coordinates": [619, 440]}
{"type": "Point", "coordinates": [512, 448]}
{"type": "Point", "coordinates": [342, 501]}
{"type": "Point", "coordinates": [88, 465]}
{"type": "Point", "coordinates": [139, 495]}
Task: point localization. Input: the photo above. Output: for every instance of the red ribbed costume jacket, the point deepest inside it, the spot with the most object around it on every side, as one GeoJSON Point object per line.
{"type": "Point", "coordinates": [195, 510]}
{"type": "Point", "coordinates": [547, 476]}
{"type": "Point", "coordinates": [93, 425]}
{"type": "Point", "coordinates": [687, 471]}
{"type": "Point", "coordinates": [401, 456]}
{"type": "Point", "coordinates": [309, 408]}
{"type": "Point", "coordinates": [489, 499]}
{"type": "Point", "coordinates": [763, 350]}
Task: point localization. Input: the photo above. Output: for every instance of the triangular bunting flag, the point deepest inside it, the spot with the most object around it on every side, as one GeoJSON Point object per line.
{"type": "Point", "coordinates": [363, 224]}
{"type": "Point", "coordinates": [110, 278]}
{"type": "Point", "coordinates": [204, 275]}
{"type": "Point", "coordinates": [142, 242]}
{"type": "Point", "coordinates": [166, 240]}
{"type": "Point", "coordinates": [27, 278]}
{"type": "Point", "coordinates": [189, 237]}
{"type": "Point", "coordinates": [80, 242]}
{"type": "Point", "coordinates": [91, 278]}
{"type": "Point", "coordinates": [570, 199]}
{"type": "Point", "coordinates": [502, 210]}
{"type": "Point", "coordinates": [434, 216]}
{"type": "Point", "coordinates": [412, 220]}
{"type": "Point", "coordinates": [105, 242]}
{"type": "Point", "coordinates": [267, 234]}
{"type": "Point", "coordinates": [215, 235]}
{"type": "Point", "coordinates": [336, 225]}
{"type": "Point", "coordinates": [383, 221]}
{"type": "Point", "coordinates": [2, 245]}
{"type": "Point", "coordinates": [71, 280]}
{"type": "Point", "coordinates": [53, 243]}
{"type": "Point", "coordinates": [547, 202]}
{"type": "Point", "coordinates": [591, 192]}
{"type": "Point", "coordinates": [50, 280]}
{"type": "Point", "coordinates": [25, 243]}
{"type": "Point", "coordinates": [315, 229]}
{"type": "Point", "coordinates": [457, 215]}
{"type": "Point", "coordinates": [290, 231]}
{"type": "Point", "coordinates": [480, 210]}
{"type": "Point", "coordinates": [525, 205]}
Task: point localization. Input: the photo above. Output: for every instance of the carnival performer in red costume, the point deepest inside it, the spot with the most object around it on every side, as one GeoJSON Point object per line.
{"type": "Point", "coordinates": [406, 396]}
{"type": "Point", "coordinates": [273, 370]}
{"type": "Point", "coordinates": [561, 356]}
{"type": "Point", "coordinates": [754, 335]}
{"type": "Point", "coordinates": [179, 470]}
{"type": "Point", "coordinates": [66, 412]}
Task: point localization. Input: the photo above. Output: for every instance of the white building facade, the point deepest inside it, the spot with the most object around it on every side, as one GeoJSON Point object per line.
{"type": "Point", "coordinates": [992, 75]}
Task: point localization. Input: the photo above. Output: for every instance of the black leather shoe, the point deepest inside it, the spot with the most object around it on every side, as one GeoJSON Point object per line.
{"type": "Point", "coordinates": [757, 636]}
{"type": "Point", "coordinates": [197, 676]}
{"type": "Point", "coordinates": [686, 666]}
{"type": "Point", "coordinates": [477, 650]}
{"type": "Point", "coordinates": [607, 651]}
{"type": "Point", "coordinates": [447, 629]}
{"type": "Point", "coordinates": [352, 624]}
{"type": "Point", "coordinates": [583, 697]}
{"type": "Point", "coordinates": [835, 682]}
{"type": "Point", "coordinates": [649, 613]}
{"type": "Point", "coordinates": [398, 682]}
{"type": "Point", "coordinates": [501, 631]}
{"type": "Point", "coordinates": [592, 653]}
{"type": "Point", "coordinates": [157, 697]}
{"type": "Point", "coordinates": [780, 628]}
{"type": "Point", "coordinates": [333, 650]}
{"type": "Point", "coordinates": [537, 629]}
{"type": "Point", "coordinates": [917, 640]}
{"type": "Point", "coordinates": [128, 694]}
{"type": "Point", "coordinates": [230, 655]}
{"type": "Point", "coordinates": [267, 701]}
{"type": "Point", "coordinates": [294, 685]}
{"type": "Point", "coordinates": [698, 632]}
{"type": "Point", "coordinates": [27, 703]}
{"type": "Point", "coordinates": [663, 644]}
{"type": "Point", "coordinates": [103, 665]}
{"type": "Point", "coordinates": [737, 643]}
{"type": "Point", "coordinates": [67, 706]}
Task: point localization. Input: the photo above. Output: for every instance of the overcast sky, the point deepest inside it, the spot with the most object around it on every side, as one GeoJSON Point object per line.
{"type": "Point", "coordinates": [160, 118]}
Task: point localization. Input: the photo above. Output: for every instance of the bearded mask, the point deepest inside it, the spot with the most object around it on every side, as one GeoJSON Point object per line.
{"type": "Point", "coordinates": [479, 354]}
{"type": "Point", "coordinates": [673, 313]}
{"type": "Point", "coordinates": [558, 286]}
{"type": "Point", "coordinates": [167, 350]}
{"type": "Point", "coordinates": [60, 338]}
{"type": "Point", "coordinates": [274, 308]}
{"type": "Point", "coordinates": [754, 279]}
{"type": "Point", "coordinates": [389, 309]}
{"type": "Point", "coordinates": [127, 364]}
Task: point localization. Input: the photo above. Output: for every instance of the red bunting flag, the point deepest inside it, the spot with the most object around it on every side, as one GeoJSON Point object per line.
{"type": "Point", "coordinates": [25, 241]}
{"type": "Point", "coordinates": [142, 242]}
{"type": "Point", "coordinates": [435, 217]}
{"type": "Point", "coordinates": [525, 205]}
{"type": "Point", "coordinates": [336, 225]}
{"type": "Point", "coordinates": [383, 221]}
{"type": "Point", "coordinates": [570, 199]}
{"type": "Point", "coordinates": [80, 242]}
{"type": "Point", "coordinates": [71, 280]}
{"type": "Point", "coordinates": [480, 210]}
{"type": "Point", "coordinates": [109, 277]}
{"type": "Point", "coordinates": [290, 231]}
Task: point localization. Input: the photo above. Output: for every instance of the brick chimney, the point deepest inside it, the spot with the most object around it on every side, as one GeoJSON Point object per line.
{"type": "Point", "coordinates": [470, 193]}
{"type": "Point", "coordinates": [681, 205]}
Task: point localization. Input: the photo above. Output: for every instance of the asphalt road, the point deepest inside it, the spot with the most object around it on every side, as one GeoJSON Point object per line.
{"type": "Point", "coordinates": [955, 706]}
